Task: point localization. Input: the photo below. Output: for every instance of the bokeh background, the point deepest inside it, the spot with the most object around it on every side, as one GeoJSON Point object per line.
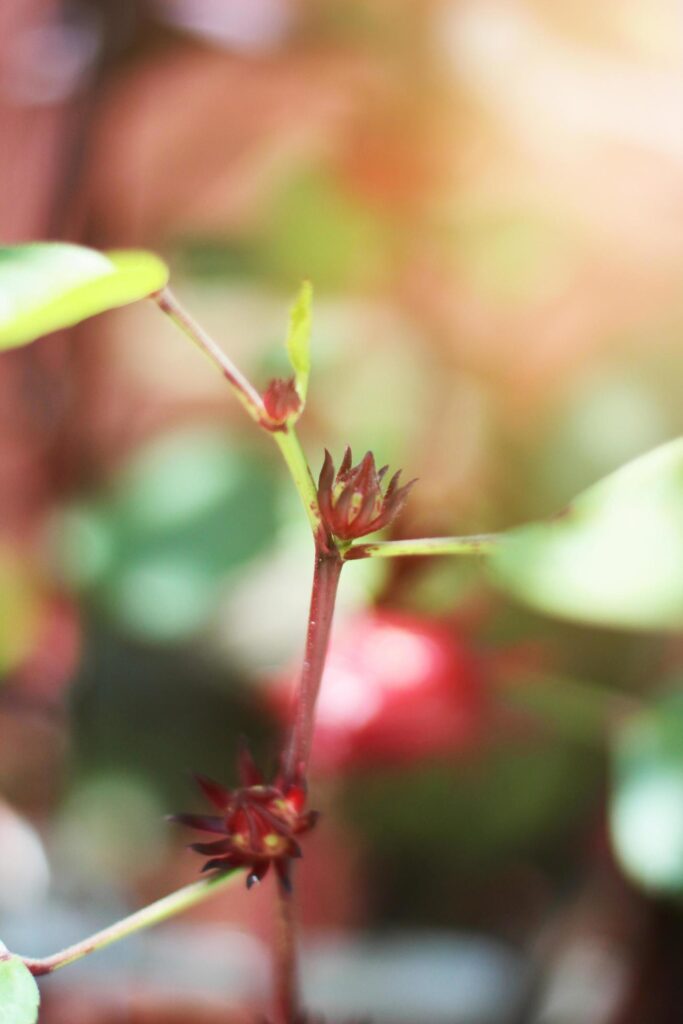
{"type": "Point", "coordinates": [488, 198]}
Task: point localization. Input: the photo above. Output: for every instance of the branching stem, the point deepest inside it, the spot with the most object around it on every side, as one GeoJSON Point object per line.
{"type": "Point", "coordinates": [329, 559]}
{"type": "Point", "coordinates": [284, 435]}
{"type": "Point", "coordinates": [328, 564]}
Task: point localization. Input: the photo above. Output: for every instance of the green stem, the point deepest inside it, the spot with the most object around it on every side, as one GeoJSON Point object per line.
{"type": "Point", "coordinates": [292, 452]}
{"type": "Point", "coordinates": [164, 908]}
{"type": "Point", "coordinates": [479, 544]}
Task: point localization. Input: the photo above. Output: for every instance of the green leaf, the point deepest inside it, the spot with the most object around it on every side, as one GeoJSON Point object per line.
{"type": "Point", "coordinates": [47, 286]}
{"type": "Point", "coordinates": [299, 338]}
{"type": "Point", "coordinates": [614, 557]}
{"type": "Point", "coordinates": [19, 996]}
{"type": "Point", "coordinates": [646, 805]}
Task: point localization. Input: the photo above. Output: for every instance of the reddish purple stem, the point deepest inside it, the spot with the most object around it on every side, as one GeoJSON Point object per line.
{"type": "Point", "coordinates": [326, 574]}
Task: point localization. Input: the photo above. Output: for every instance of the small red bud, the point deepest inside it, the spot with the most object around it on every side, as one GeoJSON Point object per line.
{"type": "Point", "coordinates": [281, 399]}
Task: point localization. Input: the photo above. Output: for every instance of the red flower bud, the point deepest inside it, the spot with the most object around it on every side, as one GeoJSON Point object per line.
{"type": "Point", "coordinates": [258, 823]}
{"type": "Point", "coordinates": [281, 400]}
{"type": "Point", "coordinates": [352, 503]}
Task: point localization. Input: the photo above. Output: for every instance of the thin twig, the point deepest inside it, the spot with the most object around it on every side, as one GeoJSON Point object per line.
{"type": "Point", "coordinates": [244, 390]}
{"type": "Point", "coordinates": [156, 912]}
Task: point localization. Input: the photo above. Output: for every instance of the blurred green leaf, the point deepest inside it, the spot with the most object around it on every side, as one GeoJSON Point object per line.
{"type": "Point", "coordinates": [182, 514]}
{"type": "Point", "coordinates": [476, 812]}
{"type": "Point", "coordinates": [46, 286]}
{"type": "Point", "coordinates": [614, 557]}
{"type": "Point", "coordinates": [198, 706]}
{"type": "Point", "coordinates": [316, 229]}
{"type": "Point", "coordinates": [572, 708]}
{"type": "Point", "coordinates": [511, 255]}
{"type": "Point", "coordinates": [610, 416]}
{"type": "Point", "coordinates": [299, 338]}
{"type": "Point", "coordinates": [19, 995]}
{"type": "Point", "coordinates": [646, 808]}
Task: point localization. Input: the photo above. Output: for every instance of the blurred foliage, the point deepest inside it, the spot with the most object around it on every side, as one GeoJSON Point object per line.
{"type": "Point", "coordinates": [155, 549]}
{"type": "Point", "coordinates": [646, 812]}
{"type": "Point", "coordinates": [312, 228]}
{"type": "Point", "coordinates": [616, 410]}
{"type": "Point", "coordinates": [614, 556]}
{"type": "Point", "coordinates": [316, 229]}
{"type": "Point", "coordinates": [511, 256]}
{"type": "Point", "coordinates": [450, 825]}
{"type": "Point", "coordinates": [158, 716]}
{"type": "Point", "coordinates": [113, 823]}
{"type": "Point", "coordinates": [577, 711]}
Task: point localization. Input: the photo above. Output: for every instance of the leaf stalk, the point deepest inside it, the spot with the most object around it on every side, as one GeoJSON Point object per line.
{"type": "Point", "coordinates": [155, 913]}
{"type": "Point", "coordinates": [478, 544]}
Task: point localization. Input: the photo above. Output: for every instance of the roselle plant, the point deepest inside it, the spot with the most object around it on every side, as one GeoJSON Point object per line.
{"type": "Point", "coordinates": [613, 557]}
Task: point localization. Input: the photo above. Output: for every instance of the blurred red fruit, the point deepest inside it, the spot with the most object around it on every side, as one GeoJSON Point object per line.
{"type": "Point", "coordinates": [397, 687]}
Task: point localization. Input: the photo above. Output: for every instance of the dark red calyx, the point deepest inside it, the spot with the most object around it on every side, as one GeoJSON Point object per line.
{"type": "Point", "coordinates": [257, 824]}
{"type": "Point", "coordinates": [352, 501]}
